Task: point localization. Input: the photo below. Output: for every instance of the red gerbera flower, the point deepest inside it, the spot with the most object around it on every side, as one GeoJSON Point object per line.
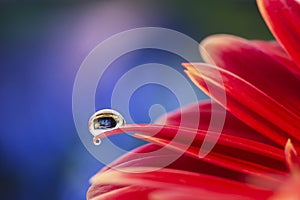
{"type": "Point", "coordinates": [254, 157]}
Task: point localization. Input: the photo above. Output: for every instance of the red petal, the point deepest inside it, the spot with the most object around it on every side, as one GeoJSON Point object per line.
{"type": "Point", "coordinates": [180, 181]}
{"type": "Point", "coordinates": [234, 153]}
{"type": "Point", "coordinates": [260, 90]}
{"type": "Point", "coordinates": [292, 158]}
{"type": "Point", "coordinates": [175, 195]}
{"type": "Point", "coordinates": [273, 49]}
{"type": "Point", "coordinates": [248, 103]}
{"type": "Point", "coordinates": [184, 162]}
{"type": "Point", "coordinates": [245, 60]}
{"type": "Point", "coordinates": [124, 193]}
{"type": "Point", "coordinates": [208, 114]}
{"type": "Point", "coordinates": [283, 19]}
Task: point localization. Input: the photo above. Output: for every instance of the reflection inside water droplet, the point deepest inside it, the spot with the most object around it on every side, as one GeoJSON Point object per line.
{"type": "Point", "coordinates": [104, 120]}
{"type": "Point", "coordinates": [104, 123]}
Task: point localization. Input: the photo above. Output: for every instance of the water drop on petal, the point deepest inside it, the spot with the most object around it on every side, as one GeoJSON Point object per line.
{"type": "Point", "coordinates": [97, 142]}
{"type": "Point", "coordinates": [104, 120]}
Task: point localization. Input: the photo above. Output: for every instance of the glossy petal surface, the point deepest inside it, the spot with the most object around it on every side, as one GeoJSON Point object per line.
{"type": "Point", "coordinates": [252, 157]}
{"type": "Point", "coordinates": [183, 181]}
{"type": "Point", "coordinates": [283, 19]}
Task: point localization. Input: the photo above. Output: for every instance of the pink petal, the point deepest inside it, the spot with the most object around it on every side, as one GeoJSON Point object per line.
{"type": "Point", "coordinates": [97, 190]}
{"type": "Point", "coordinates": [289, 190]}
{"type": "Point", "coordinates": [180, 181]}
{"type": "Point", "coordinates": [283, 19]}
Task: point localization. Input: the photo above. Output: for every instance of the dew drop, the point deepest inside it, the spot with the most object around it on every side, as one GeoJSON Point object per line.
{"type": "Point", "coordinates": [97, 142]}
{"type": "Point", "coordinates": [104, 120]}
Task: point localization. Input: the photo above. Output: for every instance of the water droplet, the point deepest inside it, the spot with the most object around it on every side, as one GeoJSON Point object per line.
{"type": "Point", "coordinates": [104, 120]}
{"type": "Point", "coordinates": [97, 142]}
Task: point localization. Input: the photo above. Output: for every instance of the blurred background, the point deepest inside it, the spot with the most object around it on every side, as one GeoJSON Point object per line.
{"type": "Point", "coordinates": [42, 45]}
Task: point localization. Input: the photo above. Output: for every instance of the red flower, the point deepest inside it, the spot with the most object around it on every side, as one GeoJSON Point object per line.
{"type": "Point", "coordinates": [249, 161]}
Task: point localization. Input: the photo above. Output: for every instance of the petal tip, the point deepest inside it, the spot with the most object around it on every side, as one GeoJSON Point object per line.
{"type": "Point", "coordinates": [292, 159]}
{"type": "Point", "coordinates": [213, 45]}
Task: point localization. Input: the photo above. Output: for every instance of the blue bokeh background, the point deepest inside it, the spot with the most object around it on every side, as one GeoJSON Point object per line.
{"type": "Point", "coordinates": [42, 45]}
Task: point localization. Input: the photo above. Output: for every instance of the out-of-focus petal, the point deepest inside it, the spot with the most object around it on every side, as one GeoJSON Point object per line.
{"type": "Point", "coordinates": [289, 190]}
{"type": "Point", "coordinates": [97, 190]}
{"type": "Point", "coordinates": [283, 19]}
{"type": "Point", "coordinates": [180, 181]}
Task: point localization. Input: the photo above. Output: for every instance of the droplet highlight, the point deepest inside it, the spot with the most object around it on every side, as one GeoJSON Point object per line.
{"type": "Point", "coordinates": [104, 120]}
{"type": "Point", "coordinates": [97, 142]}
